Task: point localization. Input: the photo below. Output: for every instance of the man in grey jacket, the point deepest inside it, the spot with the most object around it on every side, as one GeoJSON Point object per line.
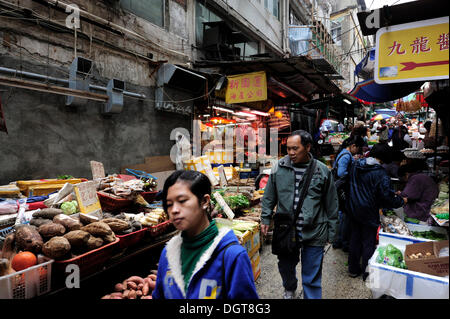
{"type": "Point", "coordinates": [317, 222]}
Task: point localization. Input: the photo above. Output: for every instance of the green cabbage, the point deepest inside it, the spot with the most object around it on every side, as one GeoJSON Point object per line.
{"type": "Point", "coordinates": [69, 208]}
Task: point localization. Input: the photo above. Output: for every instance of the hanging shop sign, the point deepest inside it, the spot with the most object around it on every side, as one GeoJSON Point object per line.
{"type": "Point", "coordinates": [416, 51]}
{"type": "Point", "coordinates": [248, 87]}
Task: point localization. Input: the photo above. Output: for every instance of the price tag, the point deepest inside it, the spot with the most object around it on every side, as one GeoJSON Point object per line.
{"type": "Point", "coordinates": [226, 209]}
{"type": "Point", "coordinates": [87, 198]}
{"type": "Point", "coordinates": [222, 176]}
{"type": "Point", "coordinates": [97, 169]}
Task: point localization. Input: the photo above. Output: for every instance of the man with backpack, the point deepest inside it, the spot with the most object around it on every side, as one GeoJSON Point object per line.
{"type": "Point", "coordinates": [341, 168]}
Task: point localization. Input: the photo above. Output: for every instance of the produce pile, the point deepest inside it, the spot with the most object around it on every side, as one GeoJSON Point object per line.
{"type": "Point", "coordinates": [395, 225]}
{"type": "Point", "coordinates": [60, 237]}
{"type": "Point", "coordinates": [236, 201]}
{"type": "Point", "coordinates": [134, 287]}
{"type": "Point", "coordinates": [429, 234]}
{"type": "Point", "coordinates": [391, 256]}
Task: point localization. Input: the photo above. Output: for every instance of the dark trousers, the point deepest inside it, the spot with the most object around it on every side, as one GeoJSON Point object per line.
{"type": "Point", "coordinates": [343, 236]}
{"type": "Point", "coordinates": [362, 246]}
{"type": "Point", "coordinates": [312, 260]}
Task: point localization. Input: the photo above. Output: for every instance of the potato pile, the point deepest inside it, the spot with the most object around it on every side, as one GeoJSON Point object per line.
{"type": "Point", "coordinates": [420, 255]}
{"type": "Point", "coordinates": [134, 287]}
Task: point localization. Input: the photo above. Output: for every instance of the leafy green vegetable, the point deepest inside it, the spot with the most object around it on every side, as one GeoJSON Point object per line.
{"type": "Point", "coordinates": [69, 208]}
{"type": "Point", "coordinates": [391, 256]}
{"type": "Point", "coordinates": [65, 176]}
{"type": "Point", "coordinates": [429, 234]}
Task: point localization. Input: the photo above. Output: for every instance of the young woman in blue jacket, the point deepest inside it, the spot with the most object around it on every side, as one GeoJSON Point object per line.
{"type": "Point", "coordinates": [202, 262]}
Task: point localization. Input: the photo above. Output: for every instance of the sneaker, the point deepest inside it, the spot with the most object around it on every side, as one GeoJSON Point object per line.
{"type": "Point", "coordinates": [289, 294]}
{"type": "Point", "coordinates": [353, 275]}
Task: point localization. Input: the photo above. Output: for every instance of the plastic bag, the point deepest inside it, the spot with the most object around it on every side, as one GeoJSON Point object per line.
{"type": "Point", "coordinates": [391, 256]}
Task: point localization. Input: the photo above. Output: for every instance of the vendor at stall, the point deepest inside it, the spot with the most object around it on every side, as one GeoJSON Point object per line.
{"type": "Point", "coordinates": [420, 192]}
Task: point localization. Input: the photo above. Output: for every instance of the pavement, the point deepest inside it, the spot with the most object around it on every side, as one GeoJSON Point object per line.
{"type": "Point", "coordinates": [336, 283]}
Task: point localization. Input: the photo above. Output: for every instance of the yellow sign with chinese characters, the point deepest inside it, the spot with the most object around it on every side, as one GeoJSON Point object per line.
{"type": "Point", "coordinates": [247, 87]}
{"type": "Point", "coordinates": [417, 51]}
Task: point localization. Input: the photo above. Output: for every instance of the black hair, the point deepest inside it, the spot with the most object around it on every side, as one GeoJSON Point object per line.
{"type": "Point", "coordinates": [382, 151]}
{"type": "Point", "coordinates": [356, 139]}
{"type": "Point", "coordinates": [305, 138]}
{"type": "Point", "coordinates": [199, 185]}
{"type": "Point", "coordinates": [414, 166]}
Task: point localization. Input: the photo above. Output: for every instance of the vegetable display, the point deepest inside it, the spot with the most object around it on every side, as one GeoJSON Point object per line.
{"type": "Point", "coordinates": [429, 234]}
{"type": "Point", "coordinates": [134, 287]}
{"type": "Point", "coordinates": [391, 256]}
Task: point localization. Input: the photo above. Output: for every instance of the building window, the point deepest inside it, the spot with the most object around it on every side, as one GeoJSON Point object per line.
{"type": "Point", "coordinates": [150, 10]}
{"type": "Point", "coordinates": [336, 32]}
{"type": "Point", "coordinates": [273, 6]}
{"type": "Point", "coordinates": [202, 14]}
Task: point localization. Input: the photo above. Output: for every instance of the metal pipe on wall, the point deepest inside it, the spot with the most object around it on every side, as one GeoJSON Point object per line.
{"type": "Point", "coordinates": [37, 76]}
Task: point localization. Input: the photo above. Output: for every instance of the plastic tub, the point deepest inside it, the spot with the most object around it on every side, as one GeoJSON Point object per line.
{"type": "Point", "coordinates": [404, 284]}
{"type": "Point", "coordinates": [89, 262]}
{"type": "Point", "coordinates": [159, 229]}
{"type": "Point", "coordinates": [131, 239]}
{"type": "Point", "coordinates": [27, 283]}
{"type": "Point", "coordinates": [111, 204]}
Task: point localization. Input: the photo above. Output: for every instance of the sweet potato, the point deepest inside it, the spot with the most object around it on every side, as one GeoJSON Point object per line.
{"type": "Point", "coordinates": [50, 230]}
{"type": "Point", "coordinates": [147, 297]}
{"type": "Point", "coordinates": [136, 279]}
{"type": "Point", "coordinates": [119, 287]}
{"type": "Point", "coordinates": [139, 287]}
{"type": "Point", "coordinates": [126, 293]}
{"type": "Point", "coordinates": [139, 293]}
{"type": "Point", "coordinates": [68, 222]}
{"type": "Point", "coordinates": [145, 289]}
{"type": "Point", "coordinates": [132, 294]}
{"type": "Point", "coordinates": [48, 213]}
{"type": "Point", "coordinates": [152, 285]}
{"type": "Point", "coordinates": [116, 294]}
{"type": "Point", "coordinates": [106, 297]}
{"type": "Point", "coordinates": [152, 277]}
{"type": "Point", "coordinates": [131, 285]}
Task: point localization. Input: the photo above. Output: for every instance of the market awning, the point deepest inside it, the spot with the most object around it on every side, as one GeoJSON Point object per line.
{"type": "Point", "coordinates": [370, 91]}
{"type": "Point", "coordinates": [339, 106]}
{"type": "Point", "coordinates": [290, 80]}
{"type": "Point", "coordinates": [390, 112]}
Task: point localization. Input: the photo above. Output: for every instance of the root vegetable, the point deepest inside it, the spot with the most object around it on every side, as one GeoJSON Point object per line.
{"type": "Point", "coordinates": [140, 286]}
{"type": "Point", "coordinates": [152, 277]}
{"type": "Point", "coordinates": [147, 297]}
{"type": "Point", "coordinates": [136, 279]}
{"type": "Point", "coordinates": [131, 285]}
{"type": "Point", "coordinates": [126, 294]}
{"type": "Point", "coordinates": [106, 297]}
{"type": "Point", "coordinates": [132, 294]}
{"type": "Point", "coordinates": [145, 289]}
{"type": "Point", "coordinates": [119, 287]}
{"type": "Point", "coordinates": [116, 294]}
{"type": "Point", "coordinates": [152, 285]}
{"type": "Point", "coordinates": [138, 293]}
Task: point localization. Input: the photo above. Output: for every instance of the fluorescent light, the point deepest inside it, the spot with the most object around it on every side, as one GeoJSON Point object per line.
{"type": "Point", "coordinates": [260, 113]}
{"type": "Point", "coordinates": [223, 109]}
{"type": "Point", "coordinates": [347, 101]}
{"type": "Point", "coordinates": [244, 114]}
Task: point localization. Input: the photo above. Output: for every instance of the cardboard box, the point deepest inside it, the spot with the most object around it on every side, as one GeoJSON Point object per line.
{"type": "Point", "coordinates": [256, 265]}
{"type": "Point", "coordinates": [434, 265]}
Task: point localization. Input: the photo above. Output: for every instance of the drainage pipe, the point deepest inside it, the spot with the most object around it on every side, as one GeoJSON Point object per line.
{"type": "Point", "coordinates": [37, 76]}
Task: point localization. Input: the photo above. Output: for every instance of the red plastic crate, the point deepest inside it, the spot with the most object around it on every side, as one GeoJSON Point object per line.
{"type": "Point", "coordinates": [112, 204]}
{"type": "Point", "coordinates": [89, 262]}
{"type": "Point", "coordinates": [131, 239]}
{"type": "Point", "coordinates": [159, 229]}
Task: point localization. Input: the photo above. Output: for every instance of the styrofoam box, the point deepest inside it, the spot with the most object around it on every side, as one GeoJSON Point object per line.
{"type": "Point", "coordinates": [400, 241]}
{"type": "Point", "coordinates": [401, 283]}
{"type": "Point", "coordinates": [27, 283]}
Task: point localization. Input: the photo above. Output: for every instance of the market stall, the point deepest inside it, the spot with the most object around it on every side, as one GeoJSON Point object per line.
{"type": "Point", "coordinates": [49, 226]}
{"type": "Point", "coordinates": [411, 259]}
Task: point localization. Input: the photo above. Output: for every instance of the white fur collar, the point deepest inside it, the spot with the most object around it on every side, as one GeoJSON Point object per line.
{"type": "Point", "coordinates": [173, 253]}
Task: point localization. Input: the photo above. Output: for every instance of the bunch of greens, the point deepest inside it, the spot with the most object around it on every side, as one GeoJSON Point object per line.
{"type": "Point", "coordinates": [391, 256]}
{"type": "Point", "coordinates": [429, 234]}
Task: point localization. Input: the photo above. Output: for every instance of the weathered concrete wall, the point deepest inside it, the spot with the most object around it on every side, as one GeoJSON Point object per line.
{"type": "Point", "coordinates": [46, 138]}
